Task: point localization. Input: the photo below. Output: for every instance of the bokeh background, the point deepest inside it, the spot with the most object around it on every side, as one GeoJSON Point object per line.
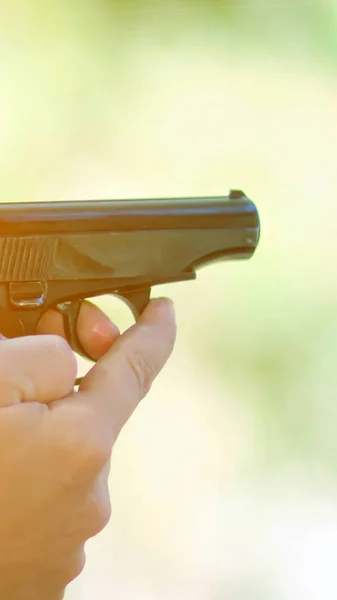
{"type": "Point", "coordinates": [224, 484]}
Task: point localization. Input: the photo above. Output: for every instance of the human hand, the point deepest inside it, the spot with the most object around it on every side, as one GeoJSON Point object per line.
{"type": "Point", "coordinates": [55, 444]}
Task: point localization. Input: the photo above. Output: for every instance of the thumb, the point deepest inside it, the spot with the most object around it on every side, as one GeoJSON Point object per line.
{"type": "Point", "coordinates": [117, 383]}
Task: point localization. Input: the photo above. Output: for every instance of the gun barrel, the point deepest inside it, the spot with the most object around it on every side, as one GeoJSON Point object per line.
{"type": "Point", "coordinates": [235, 211]}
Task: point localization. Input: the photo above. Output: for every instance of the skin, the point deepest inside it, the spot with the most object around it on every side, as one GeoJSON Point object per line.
{"type": "Point", "coordinates": [56, 444]}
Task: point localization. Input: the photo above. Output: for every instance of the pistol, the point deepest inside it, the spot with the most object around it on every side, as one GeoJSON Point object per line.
{"type": "Point", "coordinates": [57, 254]}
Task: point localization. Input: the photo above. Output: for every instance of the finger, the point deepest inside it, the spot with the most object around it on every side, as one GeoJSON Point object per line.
{"type": "Point", "coordinates": [95, 330]}
{"type": "Point", "coordinates": [36, 369]}
{"type": "Point", "coordinates": [114, 387]}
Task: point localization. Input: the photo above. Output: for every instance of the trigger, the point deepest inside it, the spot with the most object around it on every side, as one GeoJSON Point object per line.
{"type": "Point", "coordinates": [70, 312]}
{"type": "Point", "coordinates": [137, 300]}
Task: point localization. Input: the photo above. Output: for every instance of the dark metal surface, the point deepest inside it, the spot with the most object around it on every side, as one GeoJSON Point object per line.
{"type": "Point", "coordinates": [54, 255]}
{"type": "Point", "coordinates": [233, 211]}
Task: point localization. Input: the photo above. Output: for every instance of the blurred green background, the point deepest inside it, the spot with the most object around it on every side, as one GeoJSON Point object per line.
{"type": "Point", "coordinates": [224, 484]}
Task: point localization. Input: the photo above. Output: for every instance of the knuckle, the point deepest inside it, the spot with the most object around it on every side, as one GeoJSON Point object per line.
{"type": "Point", "coordinates": [55, 343]}
{"type": "Point", "coordinates": [74, 566]}
{"type": "Point", "coordinates": [56, 349]}
{"type": "Point", "coordinates": [61, 346]}
{"type": "Point", "coordinates": [143, 370]}
{"type": "Point", "coordinates": [89, 460]}
{"type": "Point", "coordinates": [62, 570]}
{"type": "Point", "coordinates": [78, 445]}
{"type": "Point", "coordinates": [95, 457]}
{"type": "Point", "coordinates": [99, 512]}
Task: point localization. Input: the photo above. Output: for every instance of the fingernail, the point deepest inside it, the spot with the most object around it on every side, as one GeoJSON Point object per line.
{"type": "Point", "coordinates": [105, 330]}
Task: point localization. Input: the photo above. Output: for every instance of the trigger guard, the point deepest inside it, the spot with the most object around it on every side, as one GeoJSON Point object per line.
{"type": "Point", "coordinates": [136, 300]}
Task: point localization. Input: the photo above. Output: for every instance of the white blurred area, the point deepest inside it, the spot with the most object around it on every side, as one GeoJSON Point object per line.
{"type": "Point", "coordinates": [224, 483]}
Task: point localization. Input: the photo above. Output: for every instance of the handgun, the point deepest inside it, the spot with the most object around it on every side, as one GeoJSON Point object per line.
{"type": "Point", "coordinates": [57, 254]}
